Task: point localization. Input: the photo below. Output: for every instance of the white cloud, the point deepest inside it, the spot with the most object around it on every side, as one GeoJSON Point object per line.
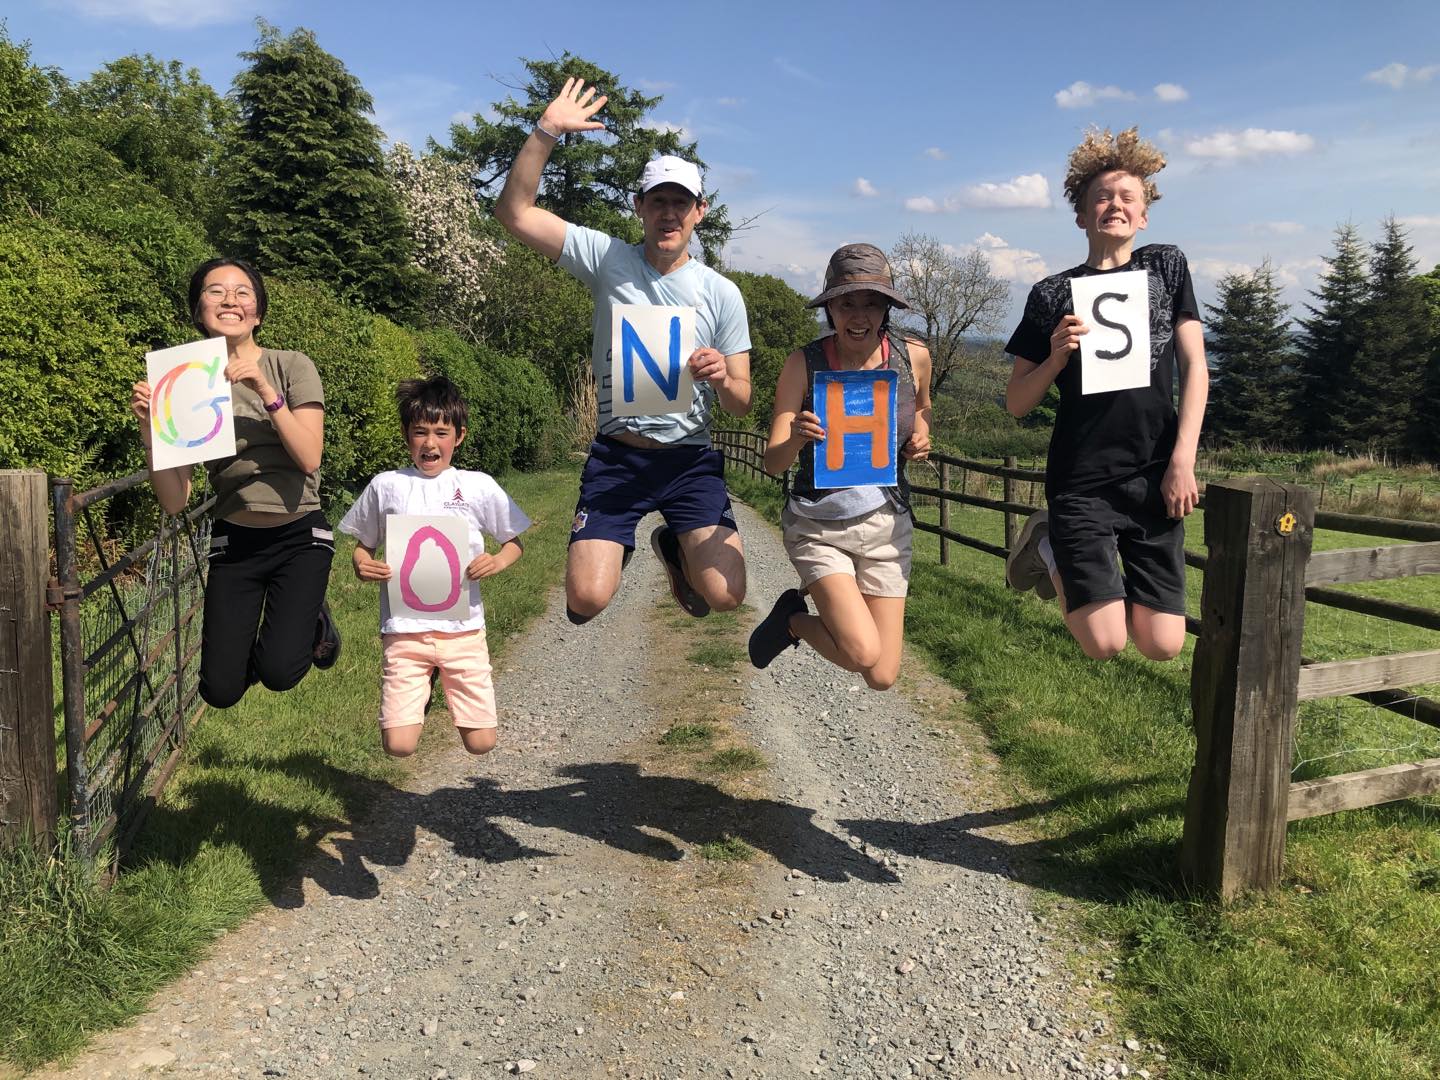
{"type": "Point", "coordinates": [934, 153]}
{"type": "Point", "coordinates": [795, 71]}
{"type": "Point", "coordinates": [1081, 95]}
{"type": "Point", "coordinates": [864, 188]}
{"type": "Point", "coordinates": [1029, 191]}
{"type": "Point", "coordinates": [1252, 142]}
{"type": "Point", "coordinates": [1278, 228]}
{"type": "Point", "coordinates": [1169, 92]}
{"type": "Point", "coordinates": [1421, 221]}
{"type": "Point", "coordinates": [654, 86]}
{"type": "Point", "coordinates": [730, 102]}
{"type": "Point", "coordinates": [173, 14]}
{"type": "Point", "coordinates": [667, 127]}
{"type": "Point", "coordinates": [1291, 274]}
{"type": "Point", "coordinates": [1013, 264]}
{"type": "Point", "coordinates": [1397, 76]}
{"type": "Point", "coordinates": [784, 246]}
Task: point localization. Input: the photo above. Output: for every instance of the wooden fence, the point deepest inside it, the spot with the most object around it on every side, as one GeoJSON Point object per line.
{"type": "Point", "coordinates": [1248, 675]}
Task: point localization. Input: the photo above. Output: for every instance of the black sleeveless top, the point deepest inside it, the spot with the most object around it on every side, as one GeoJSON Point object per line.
{"type": "Point", "coordinates": [803, 484]}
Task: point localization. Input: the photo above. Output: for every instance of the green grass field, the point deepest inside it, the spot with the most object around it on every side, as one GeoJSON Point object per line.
{"type": "Point", "coordinates": [1335, 974]}
{"type": "Point", "coordinates": [260, 785]}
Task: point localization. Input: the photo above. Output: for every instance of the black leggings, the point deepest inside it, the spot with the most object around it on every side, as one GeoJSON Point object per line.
{"type": "Point", "coordinates": [261, 605]}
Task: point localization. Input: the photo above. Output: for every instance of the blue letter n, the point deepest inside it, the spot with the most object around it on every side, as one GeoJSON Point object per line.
{"type": "Point", "coordinates": [630, 344]}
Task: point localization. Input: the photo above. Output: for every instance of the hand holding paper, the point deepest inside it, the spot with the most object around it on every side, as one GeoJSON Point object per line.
{"type": "Point", "coordinates": [189, 407]}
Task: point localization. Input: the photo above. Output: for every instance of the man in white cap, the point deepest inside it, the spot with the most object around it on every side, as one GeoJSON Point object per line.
{"type": "Point", "coordinates": [640, 464]}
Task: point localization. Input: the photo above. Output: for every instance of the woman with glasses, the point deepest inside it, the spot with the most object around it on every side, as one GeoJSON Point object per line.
{"type": "Point", "coordinates": [270, 546]}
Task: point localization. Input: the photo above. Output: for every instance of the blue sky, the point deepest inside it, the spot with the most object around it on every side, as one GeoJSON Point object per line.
{"type": "Point", "coordinates": [846, 121]}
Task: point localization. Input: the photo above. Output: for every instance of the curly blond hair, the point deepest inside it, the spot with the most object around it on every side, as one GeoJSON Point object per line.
{"type": "Point", "coordinates": [1100, 152]}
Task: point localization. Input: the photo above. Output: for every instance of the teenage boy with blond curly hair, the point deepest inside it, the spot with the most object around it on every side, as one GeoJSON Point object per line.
{"type": "Point", "coordinates": [1120, 475]}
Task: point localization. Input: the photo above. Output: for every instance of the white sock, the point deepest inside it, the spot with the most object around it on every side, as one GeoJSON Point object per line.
{"type": "Point", "coordinates": [1046, 553]}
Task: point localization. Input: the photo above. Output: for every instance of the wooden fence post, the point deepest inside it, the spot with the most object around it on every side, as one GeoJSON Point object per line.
{"type": "Point", "coordinates": [944, 514]}
{"type": "Point", "coordinates": [1243, 682]}
{"type": "Point", "coordinates": [1009, 497]}
{"type": "Point", "coordinates": [27, 695]}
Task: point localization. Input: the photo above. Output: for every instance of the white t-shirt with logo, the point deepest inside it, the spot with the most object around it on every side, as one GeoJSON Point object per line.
{"type": "Point", "coordinates": [474, 496]}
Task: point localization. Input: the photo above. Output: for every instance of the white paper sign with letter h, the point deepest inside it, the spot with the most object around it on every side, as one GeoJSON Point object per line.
{"type": "Point", "coordinates": [1115, 354]}
{"type": "Point", "coordinates": [650, 349]}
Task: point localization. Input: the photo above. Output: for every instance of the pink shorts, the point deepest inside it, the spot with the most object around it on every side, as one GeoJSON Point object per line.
{"type": "Point", "coordinates": [464, 662]}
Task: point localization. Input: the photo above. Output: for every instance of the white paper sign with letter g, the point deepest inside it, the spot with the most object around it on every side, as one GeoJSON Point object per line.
{"type": "Point", "coordinates": [1115, 354]}
{"type": "Point", "coordinates": [650, 349]}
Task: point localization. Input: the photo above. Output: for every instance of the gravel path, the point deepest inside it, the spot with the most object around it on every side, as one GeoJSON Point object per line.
{"type": "Point", "coordinates": [564, 908]}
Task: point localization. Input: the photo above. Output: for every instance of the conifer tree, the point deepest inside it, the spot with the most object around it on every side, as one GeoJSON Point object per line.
{"type": "Point", "coordinates": [1329, 340]}
{"type": "Point", "coordinates": [590, 179]}
{"type": "Point", "coordinates": [1429, 441]}
{"type": "Point", "coordinates": [305, 183]}
{"type": "Point", "coordinates": [1397, 340]}
{"type": "Point", "coordinates": [1253, 390]}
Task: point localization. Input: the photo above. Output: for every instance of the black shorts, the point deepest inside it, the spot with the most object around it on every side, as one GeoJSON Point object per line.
{"type": "Point", "coordinates": [621, 484]}
{"type": "Point", "coordinates": [1089, 528]}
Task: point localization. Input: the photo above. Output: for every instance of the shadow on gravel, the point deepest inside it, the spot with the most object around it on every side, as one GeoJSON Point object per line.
{"type": "Point", "coordinates": [1097, 864]}
{"type": "Point", "coordinates": [611, 804]}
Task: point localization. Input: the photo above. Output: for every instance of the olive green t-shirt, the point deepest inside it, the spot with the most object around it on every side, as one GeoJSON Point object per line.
{"type": "Point", "coordinates": [262, 475]}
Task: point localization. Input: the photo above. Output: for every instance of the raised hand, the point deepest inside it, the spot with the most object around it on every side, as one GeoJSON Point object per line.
{"type": "Point", "coordinates": [573, 109]}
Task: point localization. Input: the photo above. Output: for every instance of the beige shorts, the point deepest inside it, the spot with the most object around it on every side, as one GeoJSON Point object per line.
{"type": "Point", "coordinates": [464, 662]}
{"type": "Point", "coordinates": [873, 548]}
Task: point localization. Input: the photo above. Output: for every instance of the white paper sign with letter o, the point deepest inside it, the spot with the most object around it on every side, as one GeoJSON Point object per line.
{"type": "Point", "coordinates": [1115, 354]}
{"type": "Point", "coordinates": [650, 349]}
{"type": "Point", "coordinates": [427, 557]}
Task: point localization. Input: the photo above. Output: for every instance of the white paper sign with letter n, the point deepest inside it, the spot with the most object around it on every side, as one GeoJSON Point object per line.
{"type": "Point", "coordinates": [427, 557]}
{"type": "Point", "coordinates": [1115, 354]}
{"type": "Point", "coordinates": [192, 415]}
{"type": "Point", "coordinates": [650, 349]}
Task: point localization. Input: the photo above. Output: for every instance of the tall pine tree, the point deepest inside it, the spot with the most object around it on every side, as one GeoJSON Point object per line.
{"type": "Point", "coordinates": [1252, 393]}
{"type": "Point", "coordinates": [305, 183]}
{"type": "Point", "coordinates": [1429, 442]}
{"type": "Point", "coordinates": [1329, 341]}
{"type": "Point", "coordinates": [591, 178]}
{"type": "Point", "coordinates": [1390, 364]}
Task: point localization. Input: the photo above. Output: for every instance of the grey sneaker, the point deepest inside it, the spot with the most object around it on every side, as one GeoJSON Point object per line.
{"type": "Point", "coordinates": [1024, 568]}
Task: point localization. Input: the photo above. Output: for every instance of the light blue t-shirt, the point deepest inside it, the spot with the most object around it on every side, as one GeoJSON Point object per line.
{"type": "Point", "coordinates": [616, 273]}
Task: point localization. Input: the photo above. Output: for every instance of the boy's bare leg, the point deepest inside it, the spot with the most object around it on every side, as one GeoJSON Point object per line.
{"type": "Point", "coordinates": [1159, 635]}
{"type": "Point", "coordinates": [714, 565]}
{"type": "Point", "coordinates": [401, 741]}
{"type": "Point", "coordinates": [478, 740]}
{"type": "Point", "coordinates": [1100, 628]}
{"type": "Point", "coordinates": [592, 574]}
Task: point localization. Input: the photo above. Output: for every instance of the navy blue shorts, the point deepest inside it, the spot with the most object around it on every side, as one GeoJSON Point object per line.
{"type": "Point", "coordinates": [621, 484]}
{"type": "Point", "coordinates": [1088, 529]}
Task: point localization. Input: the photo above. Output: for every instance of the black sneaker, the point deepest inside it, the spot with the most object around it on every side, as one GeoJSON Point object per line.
{"type": "Point", "coordinates": [1024, 567]}
{"type": "Point", "coordinates": [327, 640]}
{"type": "Point", "coordinates": [666, 546]}
{"type": "Point", "coordinates": [772, 636]}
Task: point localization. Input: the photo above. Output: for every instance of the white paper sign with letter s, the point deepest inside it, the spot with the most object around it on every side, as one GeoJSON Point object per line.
{"type": "Point", "coordinates": [650, 349]}
{"type": "Point", "coordinates": [427, 558]}
{"type": "Point", "coordinates": [192, 415]}
{"type": "Point", "coordinates": [1115, 354]}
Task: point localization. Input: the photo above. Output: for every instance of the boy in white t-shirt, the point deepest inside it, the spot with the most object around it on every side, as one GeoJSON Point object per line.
{"type": "Point", "coordinates": [433, 415]}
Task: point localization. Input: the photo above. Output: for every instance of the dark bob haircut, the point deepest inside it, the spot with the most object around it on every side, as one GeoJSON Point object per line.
{"type": "Point", "coordinates": [197, 282]}
{"type": "Point", "coordinates": [434, 400]}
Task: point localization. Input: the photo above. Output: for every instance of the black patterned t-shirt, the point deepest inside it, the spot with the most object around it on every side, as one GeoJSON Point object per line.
{"type": "Point", "coordinates": [1101, 438]}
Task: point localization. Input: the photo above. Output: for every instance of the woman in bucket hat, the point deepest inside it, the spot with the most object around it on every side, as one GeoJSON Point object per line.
{"type": "Point", "coordinates": [851, 546]}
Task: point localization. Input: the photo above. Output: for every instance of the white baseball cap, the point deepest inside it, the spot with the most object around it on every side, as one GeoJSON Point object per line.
{"type": "Point", "coordinates": [672, 170]}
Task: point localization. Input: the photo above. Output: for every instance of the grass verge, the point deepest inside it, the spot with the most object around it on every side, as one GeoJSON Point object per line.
{"type": "Point", "coordinates": [726, 849]}
{"type": "Point", "coordinates": [1337, 972]}
{"type": "Point", "coordinates": [261, 784]}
